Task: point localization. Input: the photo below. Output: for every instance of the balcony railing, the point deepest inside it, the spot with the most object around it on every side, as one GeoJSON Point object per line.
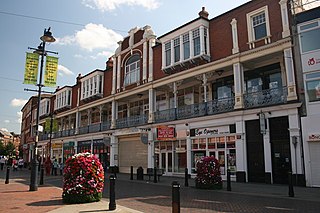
{"type": "Point", "coordinates": [135, 120]}
{"type": "Point", "coordinates": [195, 110]}
{"type": "Point", "coordinates": [265, 98]}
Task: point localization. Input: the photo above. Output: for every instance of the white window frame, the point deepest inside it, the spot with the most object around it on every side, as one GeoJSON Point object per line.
{"type": "Point", "coordinates": [63, 98]}
{"type": "Point", "coordinates": [200, 33]}
{"type": "Point", "coordinates": [90, 88]}
{"type": "Point", "coordinates": [44, 107]}
{"type": "Point", "coordinates": [132, 76]}
{"type": "Point", "coordinates": [306, 27]}
{"type": "Point", "coordinates": [251, 36]}
{"type": "Point", "coordinates": [176, 45]}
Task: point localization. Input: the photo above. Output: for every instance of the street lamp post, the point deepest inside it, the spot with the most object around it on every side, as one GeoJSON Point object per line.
{"type": "Point", "coordinates": [47, 37]}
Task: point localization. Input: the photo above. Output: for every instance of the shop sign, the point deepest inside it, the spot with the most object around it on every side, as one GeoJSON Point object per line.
{"type": "Point", "coordinates": [68, 144]}
{"type": "Point", "coordinates": [56, 146]}
{"type": "Point", "coordinates": [311, 61]}
{"type": "Point", "coordinates": [206, 131]}
{"type": "Point", "coordinates": [165, 133]}
{"type": "Point", "coordinates": [314, 137]}
{"type": "Point", "coordinates": [84, 143]}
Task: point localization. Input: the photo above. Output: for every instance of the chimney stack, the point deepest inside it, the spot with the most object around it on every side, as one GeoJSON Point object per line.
{"type": "Point", "coordinates": [203, 13]}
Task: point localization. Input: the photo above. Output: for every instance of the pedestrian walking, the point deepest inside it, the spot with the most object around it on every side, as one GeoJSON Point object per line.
{"type": "Point", "coordinates": [2, 162]}
{"type": "Point", "coordinates": [15, 164]}
{"type": "Point", "coordinates": [55, 166]}
{"type": "Point", "coordinates": [20, 163]}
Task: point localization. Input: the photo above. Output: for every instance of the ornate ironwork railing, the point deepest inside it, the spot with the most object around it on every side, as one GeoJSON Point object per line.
{"type": "Point", "coordinates": [135, 120]}
{"type": "Point", "coordinates": [105, 125]}
{"type": "Point", "coordinates": [265, 97]}
{"type": "Point", "coordinates": [220, 105]}
{"type": "Point", "coordinates": [195, 110]}
{"type": "Point", "coordinates": [165, 115]}
{"type": "Point", "coordinates": [94, 127]}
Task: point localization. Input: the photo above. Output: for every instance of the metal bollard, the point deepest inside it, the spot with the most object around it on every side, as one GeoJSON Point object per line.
{"type": "Point", "coordinates": [131, 173]}
{"type": "Point", "coordinates": [291, 192]}
{"type": "Point", "coordinates": [228, 180]}
{"type": "Point", "coordinates": [186, 177]}
{"type": "Point", "coordinates": [41, 175]}
{"type": "Point", "coordinates": [155, 175]}
{"type": "Point", "coordinates": [175, 197]}
{"type": "Point", "coordinates": [112, 197]}
{"type": "Point", "coordinates": [7, 175]}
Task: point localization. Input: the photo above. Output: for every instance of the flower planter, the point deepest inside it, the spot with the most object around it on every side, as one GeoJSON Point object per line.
{"type": "Point", "coordinates": [208, 174]}
{"type": "Point", "coordinates": [83, 179]}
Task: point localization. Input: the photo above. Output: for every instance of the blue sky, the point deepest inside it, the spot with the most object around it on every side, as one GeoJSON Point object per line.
{"type": "Point", "coordinates": [87, 32]}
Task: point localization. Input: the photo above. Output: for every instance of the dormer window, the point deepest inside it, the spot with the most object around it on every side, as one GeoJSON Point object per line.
{"type": "Point", "coordinates": [92, 85]}
{"type": "Point", "coordinates": [132, 70]}
{"type": "Point", "coordinates": [176, 44]}
{"type": "Point", "coordinates": [63, 98]}
{"type": "Point", "coordinates": [185, 47]}
{"type": "Point", "coordinates": [196, 41]}
{"type": "Point", "coordinates": [168, 53]}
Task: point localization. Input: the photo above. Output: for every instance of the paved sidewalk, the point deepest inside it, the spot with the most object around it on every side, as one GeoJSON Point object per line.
{"type": "Point", "coordinates": [16, 197]}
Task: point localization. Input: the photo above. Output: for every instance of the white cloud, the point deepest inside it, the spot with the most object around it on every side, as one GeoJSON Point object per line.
{"type": "Point", "coordinates": [108, 5]}
{"type": "Point", "coordinates": [6, 121]}
{"type": "Point", "coordinates": [64, 70]}
{"type": "Point", "coordinates": [106, 54]}
{"type": "Point", "coordinates": [19, 115]}
{"type": "Point", "coordinates": [93, 36]}
{"type": "Point", "coordinates": [18, 102]}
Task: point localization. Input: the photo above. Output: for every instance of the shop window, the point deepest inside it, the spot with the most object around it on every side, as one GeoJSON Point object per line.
{"type": "Point", "coordinates": [313, 86]}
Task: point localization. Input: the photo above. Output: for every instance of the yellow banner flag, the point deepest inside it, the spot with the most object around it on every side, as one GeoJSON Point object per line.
{"type": "Point", "coordinates": [50, 75]}
{"type": "Point", "coordinates": [31, 69]}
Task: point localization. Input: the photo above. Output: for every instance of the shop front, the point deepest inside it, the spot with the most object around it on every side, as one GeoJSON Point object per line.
{"type": "Point", "coordinates": [216, 142]}
{"type": "Point", "coordinates": [56, 149]}
{"type": "Point", "coordinates": [68, 150]}
{"type": "Point", "coordinates": [98, 147]}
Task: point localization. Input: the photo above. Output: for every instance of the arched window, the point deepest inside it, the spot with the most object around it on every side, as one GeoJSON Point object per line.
{"type": "Point", "coordinates": [132, 70]}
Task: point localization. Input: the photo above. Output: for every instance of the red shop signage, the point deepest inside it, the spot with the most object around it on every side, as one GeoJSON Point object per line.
{"type": "Point", "coordinates": [166, 133]}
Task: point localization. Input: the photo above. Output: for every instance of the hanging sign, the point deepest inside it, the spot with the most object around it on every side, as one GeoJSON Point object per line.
{"type": "Point", "coordinates": [50, 75]}
{"type": "Point", "coordinates": [31, 69]}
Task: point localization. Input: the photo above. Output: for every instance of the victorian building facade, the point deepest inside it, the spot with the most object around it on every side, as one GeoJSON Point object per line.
{"type": "Point", "coordinates": [223, 87]}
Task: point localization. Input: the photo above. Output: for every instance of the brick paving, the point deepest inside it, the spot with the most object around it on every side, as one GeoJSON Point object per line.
{"type": "Point", "coordinates": [16, 197]}
{"type": "Point", "coordinates": [146, 196]}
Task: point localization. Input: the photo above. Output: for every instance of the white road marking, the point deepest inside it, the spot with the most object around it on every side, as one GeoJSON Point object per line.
{"type": "Point", "coordinates": [278, 208]}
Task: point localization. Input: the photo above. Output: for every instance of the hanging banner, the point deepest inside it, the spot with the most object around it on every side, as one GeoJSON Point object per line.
{"type": "Point", "coordinates": [31, 69]}
{"type": "Point", "coordinates": [50, 75]}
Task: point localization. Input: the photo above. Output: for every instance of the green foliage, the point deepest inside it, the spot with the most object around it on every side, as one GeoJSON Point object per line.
{"type": "Point", "coordinates": [81, 198]}
{"type": "Point", "coordinates": [2, 148]}
{"type": "Point", "coordinates": [10, 149]}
